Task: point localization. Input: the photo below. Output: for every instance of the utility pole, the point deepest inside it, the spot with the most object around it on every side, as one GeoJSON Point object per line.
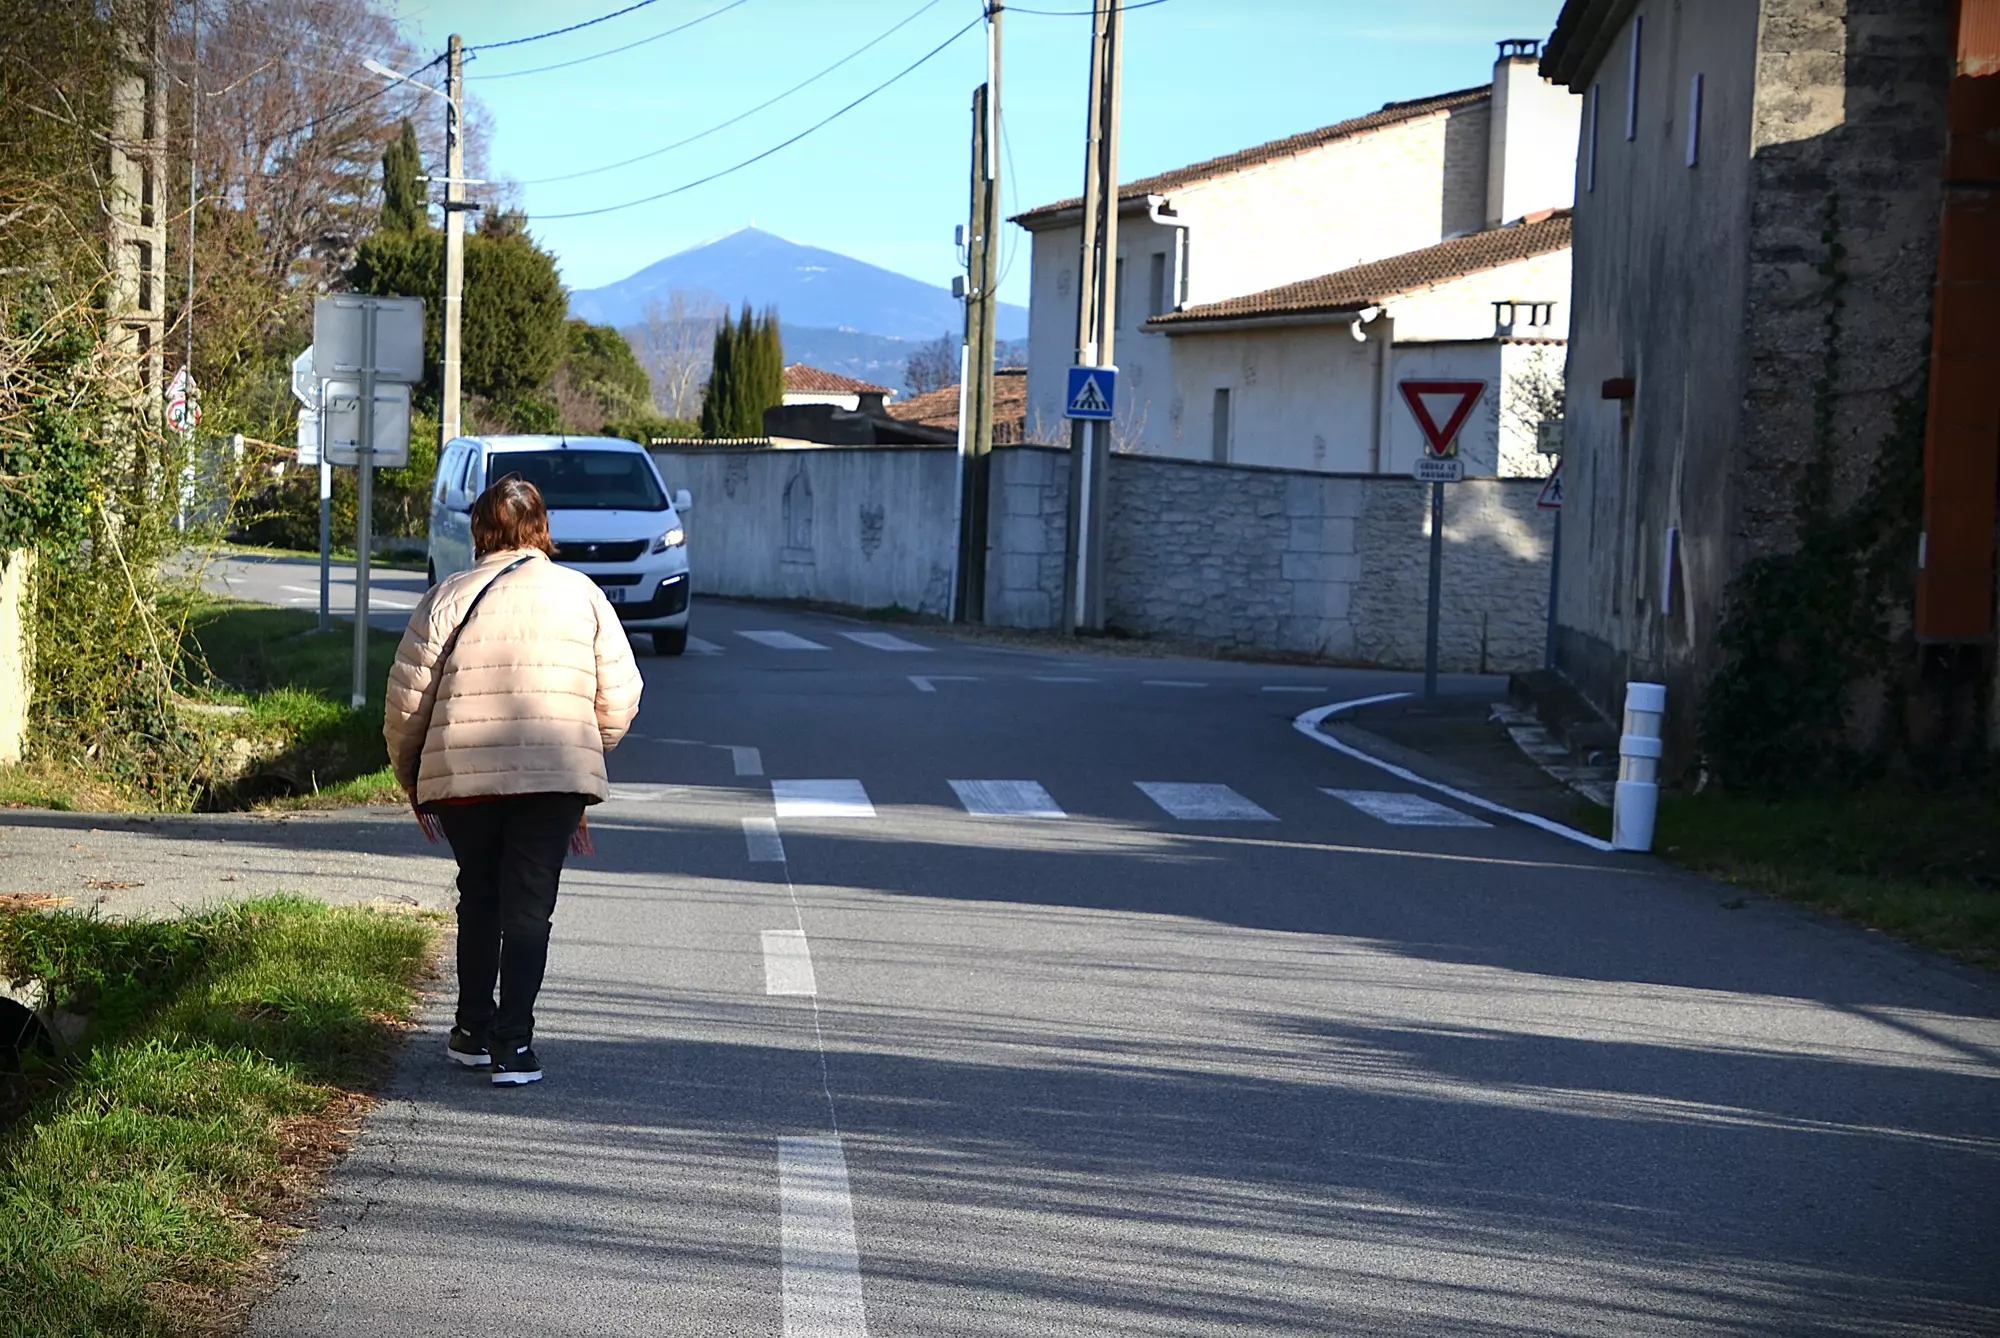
{"type": "Point", "coordinates": [981, 315]}
{"type": "Point", "coordinates": [1097, 297]}
{"type": "Point", "coordinates": [449, 421]}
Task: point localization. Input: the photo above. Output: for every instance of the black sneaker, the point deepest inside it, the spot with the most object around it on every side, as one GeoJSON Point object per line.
{"type": "Point", "coordinates": [467, 1049]}
{"type": "Point", "coordinates": [517, 1068]}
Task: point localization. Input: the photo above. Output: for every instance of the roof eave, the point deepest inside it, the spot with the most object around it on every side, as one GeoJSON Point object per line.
{"type": "Point", "coordinates": [1344, 314]}
{"type": "Point", "coordinates": [1583, 35]}
{"type": "Point", "coordinates": [1041, 220]}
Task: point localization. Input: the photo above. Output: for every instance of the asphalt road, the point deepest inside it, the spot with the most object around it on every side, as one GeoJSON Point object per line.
{"type": "Point", "coordinates": [294, 583]}
{"type": "Point", "coordinates": [1212, 1052]}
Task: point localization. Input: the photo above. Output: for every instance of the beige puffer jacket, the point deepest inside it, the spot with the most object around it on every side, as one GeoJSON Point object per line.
{"type": "Point", "coordinates": [542, 682]}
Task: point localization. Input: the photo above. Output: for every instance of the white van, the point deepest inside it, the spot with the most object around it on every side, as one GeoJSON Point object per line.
{"type": "Point", "coordinates": [609, 515]}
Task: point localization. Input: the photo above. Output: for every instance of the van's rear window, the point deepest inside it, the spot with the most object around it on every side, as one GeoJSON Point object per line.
{"type": "Point", "coordinates": [585, 480]}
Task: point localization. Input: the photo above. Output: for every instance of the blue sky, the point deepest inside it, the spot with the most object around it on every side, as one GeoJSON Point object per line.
{"type": "Point", "coordinates": [886, 182]}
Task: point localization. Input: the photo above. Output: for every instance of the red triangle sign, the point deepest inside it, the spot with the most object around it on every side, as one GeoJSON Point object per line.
{"type": "Point", "coordinates": [1454, 398]}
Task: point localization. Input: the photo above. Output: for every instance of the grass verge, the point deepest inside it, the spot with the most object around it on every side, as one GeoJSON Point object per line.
{"type": "Point", "coordinates": [1921, 865]}
{"type": "Point", "coordinates": [146, 1174]}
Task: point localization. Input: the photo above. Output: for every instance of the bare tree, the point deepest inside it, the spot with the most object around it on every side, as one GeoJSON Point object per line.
{"type": "Point", "coordinates": [674, 343]}
{"type": "Point", "coordinates": [933, 366]}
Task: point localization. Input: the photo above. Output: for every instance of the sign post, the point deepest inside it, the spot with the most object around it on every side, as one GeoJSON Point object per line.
{"type": "Point", "coordinates": [371, 339]}
{"type": "Point", "coordinates": [1440, 408]}
{"type": "Point", "coordinates": [1552, 500]}
{"type": "Point", "coordinates": [308, 391]}
{"type": "Point", "coordinates": [1091, 398]}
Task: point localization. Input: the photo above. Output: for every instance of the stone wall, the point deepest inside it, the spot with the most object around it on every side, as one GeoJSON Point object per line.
{"type": "Point", "coordinates": [1266, 559]}
{"type": "Point", "coordinates": [16, 567]}
{"type": "Point", "coordinates": [872, 526]}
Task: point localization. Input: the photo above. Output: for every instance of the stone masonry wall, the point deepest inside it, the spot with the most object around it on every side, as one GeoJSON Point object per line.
{"type": "Point", "coordinates": [1328, 565]}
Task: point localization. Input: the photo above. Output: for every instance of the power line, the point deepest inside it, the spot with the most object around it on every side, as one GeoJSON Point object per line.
{"type": "Point", "coordinates": [565, 64]}
{"type": "Point", "coordinates": [724, 125]}
{"type": "Point", "coordinates": [362, 101]}
{"type": "Point", "coordinates": [817, 125]}
{"type": "Point", "coordinates": [558, 32]}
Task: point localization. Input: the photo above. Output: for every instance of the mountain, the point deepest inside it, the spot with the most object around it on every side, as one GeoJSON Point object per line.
{"type": "Point", "coordinates": [812, 288]}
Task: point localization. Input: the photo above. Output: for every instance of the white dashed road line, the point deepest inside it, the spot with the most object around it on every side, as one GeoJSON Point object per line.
{"type": "Point", "coordinates": [761, 840]}
{"type": "Point", "coordinates": [1405, 810]}
{"type": "Point", "coordinates": [781, 640]}
{"type": "Point", "coordinates": [821, 1265]}
{"type": "Point", "coordinates": [1169, 683]}
{"type": "Point", "coordinates": [1060, 678]}
{"type": "Point", "coordinates": [1203, 803]}
{"type": "Point", "coordinates": [883, 641]}
{"type": "Point", "coordinates": [821, 799]}
{"type": "Point", "coordinates": [929, 682]}
{"type": "Point", "coordinates": [1288, 687]}
{"type": "Point", "coordinates": [1006, 799]}
{"type": "Point", "coordinates": [788, 963]}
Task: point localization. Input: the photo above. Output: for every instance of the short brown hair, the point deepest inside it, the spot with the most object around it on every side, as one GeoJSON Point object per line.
{"type": "Point", "coordinates": [510, 515]}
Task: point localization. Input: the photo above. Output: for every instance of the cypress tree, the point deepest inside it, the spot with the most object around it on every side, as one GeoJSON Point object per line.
{"type": "Point", "coordinates": [715, 420]}
{"type": "Point", "coordinates": [745, 417]}
{"type": "Point", "coordinates": [771, 367]}
{"type": "Point", "coordinates": [403, 200]}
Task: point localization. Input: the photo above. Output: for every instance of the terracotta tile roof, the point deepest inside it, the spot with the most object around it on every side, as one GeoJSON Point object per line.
{"type": "Point", "coordinates": [1393, 113]}
{"type": "Point", "coordinates": [1375, 282]}
{"type": "Point", "coordinates": [939, 408]}
{"type": "Point", "coordinates": [799, 377]}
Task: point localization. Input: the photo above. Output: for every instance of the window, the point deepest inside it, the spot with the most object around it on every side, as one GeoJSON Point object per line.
{"type": "Point", "coordinates": [1220, 445]}
{"type": "Point", "coordinates": [452, 460]}
{"type": "Point", "coordinates": [1590, 146]}
{"type": "Point", "coordinates": [1181, 281]}
{"type": "Point", "coordinates": [1118, 295]}
{"type": "Point", "coordinates": [573, 480]}
{"type": "Point", "coordinates": [1632, 79]}
{"type": "Point", "coordinates": [1694, 121]}
{"type": "Point", "coordinates": [1156, 285]}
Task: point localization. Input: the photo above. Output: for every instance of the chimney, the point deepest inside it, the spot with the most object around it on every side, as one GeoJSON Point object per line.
{"type": "Point", "coordinates": [1531, 140]}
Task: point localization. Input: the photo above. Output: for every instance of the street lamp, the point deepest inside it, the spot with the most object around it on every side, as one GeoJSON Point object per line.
{"type": "Point", "coordinates": [455, 207]}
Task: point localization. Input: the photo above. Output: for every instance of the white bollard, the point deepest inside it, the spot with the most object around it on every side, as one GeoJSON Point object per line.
{"type": "Point", "coordinates": [1637, 799]}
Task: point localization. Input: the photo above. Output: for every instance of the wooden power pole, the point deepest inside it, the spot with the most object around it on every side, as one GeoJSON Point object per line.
{"type": "Point", "coordinates": [982, 309]}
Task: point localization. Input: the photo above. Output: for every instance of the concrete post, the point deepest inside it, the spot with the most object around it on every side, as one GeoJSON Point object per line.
{"type": "Point", "coordinates": [1636, 801]}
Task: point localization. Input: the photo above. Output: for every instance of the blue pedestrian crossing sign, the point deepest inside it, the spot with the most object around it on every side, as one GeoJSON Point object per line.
{"type": "Point", "coordinates": [1092, 392]}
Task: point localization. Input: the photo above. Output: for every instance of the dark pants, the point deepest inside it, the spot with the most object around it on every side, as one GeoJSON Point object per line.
{"type": "Point", "coordinates": [510, 855]}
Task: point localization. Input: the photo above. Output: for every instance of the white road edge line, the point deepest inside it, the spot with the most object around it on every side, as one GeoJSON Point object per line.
{"type": "Point", "coordinates": [1308, 723]}
{"type": "Point", "coordinates": [788, 963]}
{"type": "Point", "coordinates": [821, 1264]}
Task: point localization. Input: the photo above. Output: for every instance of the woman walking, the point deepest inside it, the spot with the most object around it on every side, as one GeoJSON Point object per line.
{"type": "Point", "coordinates": [512, 681]}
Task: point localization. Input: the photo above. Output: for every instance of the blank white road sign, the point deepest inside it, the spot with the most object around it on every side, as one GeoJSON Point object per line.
{"type": "Point", "coordinates": [340, 425]}
{"type": "Point", "coordinates": [399, 337]}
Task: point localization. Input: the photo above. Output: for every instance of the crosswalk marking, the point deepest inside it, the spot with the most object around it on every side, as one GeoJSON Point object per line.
{"type": "Point", "coordinates": [788, 963]}
{"type": "Point", "coordinates": [821, 1267]}
{"type": "Point", "coordinates": [929, 682]}
{"type": "Point", "coordinates": [1006, 799]}
{"type": "Point", "coordinates": [882, 641]}
{"type": "Point", "coordinates": [747, 761]}
{"type": "Point", "coordinates": [762, 842]}
{"type": "Point", "coordinates": [702, 646]}
{"type": "Point", "coordinates": [1203, 803]}
{"type": "Point", "coordinates": [781, 640]}
{"type": "Point", "coordinates": [821, 799]}
{"type": "Point", "coordinates": [1406, 810]}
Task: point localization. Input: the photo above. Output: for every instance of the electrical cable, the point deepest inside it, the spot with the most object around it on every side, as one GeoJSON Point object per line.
{"type": "Point", "coordinates": [817, 125]}
{"type": "Point", "coordinates": [388, 86]}
{"type": "Point", "coordinates": [558, 32]}
{"type": "Point", "coordinates": [580, 60]}
{"type": "Point", "coordinates": [724, 125]}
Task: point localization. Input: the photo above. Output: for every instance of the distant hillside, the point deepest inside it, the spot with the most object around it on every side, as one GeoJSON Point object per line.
{"type": "Point", "coordinates": [876, 358]}
{"type": "Point", "coordinates": [814, 290]}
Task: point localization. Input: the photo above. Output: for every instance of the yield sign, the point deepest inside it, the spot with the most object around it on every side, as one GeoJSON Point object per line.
{"type": "Point", "coordinates": [1441, 408]}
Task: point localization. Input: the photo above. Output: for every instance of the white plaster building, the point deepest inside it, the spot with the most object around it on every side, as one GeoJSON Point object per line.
{"type": "Point", "coordinates": [1313, 206]}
